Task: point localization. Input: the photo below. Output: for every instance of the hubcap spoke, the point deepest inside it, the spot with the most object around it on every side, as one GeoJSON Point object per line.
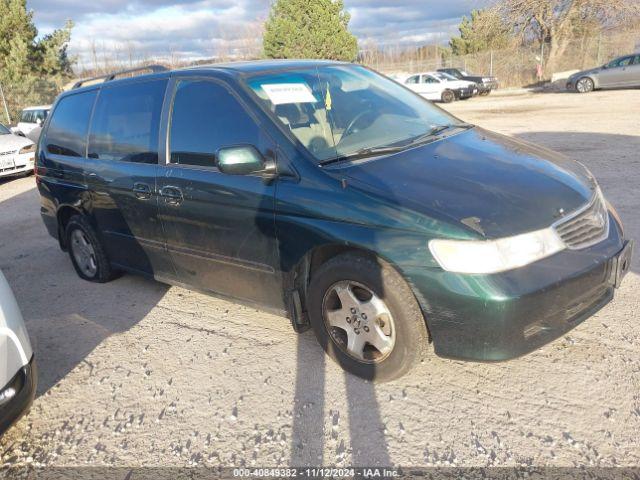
{"type": "Point", "coordinates": [379, 340]}
{"type": "Point", "coordinates": [346, 296]}
{"type": "Point", "coordinates": [356, 344]}
{"type": "Point", "coordinates": [338, 318]}
{"type": "Point", "coordinates": [375, 308]}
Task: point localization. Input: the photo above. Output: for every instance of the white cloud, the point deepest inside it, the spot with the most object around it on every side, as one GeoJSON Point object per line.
{"type": "Point", "coordinates": [192, 29]}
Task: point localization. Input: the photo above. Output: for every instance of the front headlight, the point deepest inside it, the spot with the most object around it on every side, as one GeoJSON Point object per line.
{"type": "Point", "coordinates": [493, 256]}
{"type": "Point", "coordinates": [28, 149]}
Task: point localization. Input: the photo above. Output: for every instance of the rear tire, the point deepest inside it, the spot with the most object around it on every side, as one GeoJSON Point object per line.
{"type": "Point", "coordinates": [484, 93]}
{"type": "Point", "coordinates": [585, 85]}
{"type": "Point", "coordinates": [86, 251]}
{"type": "Point", "coordinates": [383, 311]}
{"type": "Point", "coordinates": [448, 96]}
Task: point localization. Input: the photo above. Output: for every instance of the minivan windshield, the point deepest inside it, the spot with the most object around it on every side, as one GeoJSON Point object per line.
{"type": "Point", "coordinates": [4, 130]}
{"type": "Point", "coordinates": [341, 111]}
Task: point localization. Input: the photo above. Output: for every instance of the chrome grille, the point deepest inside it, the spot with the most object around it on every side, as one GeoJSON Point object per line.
{"type": "Point", "coordinates": [2, 154]}
{"type": "Point", "coordinates": [585, 227]}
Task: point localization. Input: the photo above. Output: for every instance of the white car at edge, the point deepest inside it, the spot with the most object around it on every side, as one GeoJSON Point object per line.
{"type": "Point", "coordinates": [18, 371]}
{"type": "Point", "coordinates": [440, 86]}
{"type": "Point", "coordinates": [17, 153]}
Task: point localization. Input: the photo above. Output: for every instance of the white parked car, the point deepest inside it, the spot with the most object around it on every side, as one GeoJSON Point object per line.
{"type": "Point", "coordinates": [31, 122]}
{"type": "Point", "coordinates": [16, 153]}
{"type": "Point", "coordinates": [18, 372]}
{"type": "Point", "coordinates": [440, 86]}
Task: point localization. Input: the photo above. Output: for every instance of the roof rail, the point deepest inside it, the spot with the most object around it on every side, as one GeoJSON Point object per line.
{"type": "Point", "coordinates": [112, 76]}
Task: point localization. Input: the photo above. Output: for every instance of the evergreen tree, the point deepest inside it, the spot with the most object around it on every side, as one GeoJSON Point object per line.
{"type": "Point", "coordinates": [309, 29]}
{"type": "Point", "coordinates": [32, 70]}
{"type": "Point", "coordinates": [485, 30]}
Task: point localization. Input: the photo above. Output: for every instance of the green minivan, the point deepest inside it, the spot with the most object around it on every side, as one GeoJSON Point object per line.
{"type": "Point", "coordinates": [337, 197]}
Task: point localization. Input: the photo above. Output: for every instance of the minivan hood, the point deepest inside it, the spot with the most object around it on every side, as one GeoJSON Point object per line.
{"type": "Point", "coordinates": [492, 184]}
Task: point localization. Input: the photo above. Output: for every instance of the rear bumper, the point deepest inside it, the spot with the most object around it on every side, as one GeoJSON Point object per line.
{"type": "Point", "coordinates": [503, 316]}
{"type": "Point", "coordinates": [17, 396]}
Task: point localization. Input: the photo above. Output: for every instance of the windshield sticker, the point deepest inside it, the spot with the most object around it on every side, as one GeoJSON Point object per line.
{"type": "Point", "coordinates": [283, 93]}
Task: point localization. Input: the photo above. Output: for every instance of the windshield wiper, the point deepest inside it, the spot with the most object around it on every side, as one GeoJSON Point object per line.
{"type": "Point", "coordinates": [433, 133]}
{"type": "Point", "coordinates": [388, 149]}
{"type": "Point", "coordinates": [364, 153]}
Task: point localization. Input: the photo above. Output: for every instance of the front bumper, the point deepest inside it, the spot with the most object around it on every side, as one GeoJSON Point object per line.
{"type": "Point", "coordinates": [506, 315]}
{"type": "Point", "coordinates": [17, 396]}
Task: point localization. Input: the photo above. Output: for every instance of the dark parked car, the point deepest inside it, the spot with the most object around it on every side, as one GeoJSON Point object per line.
{"type": "Point", "coordinates": [485, 83]}
{"type": "Point", "coordinates": [623, 72]}
{"type": "Point", "coordinates": [336, 196]}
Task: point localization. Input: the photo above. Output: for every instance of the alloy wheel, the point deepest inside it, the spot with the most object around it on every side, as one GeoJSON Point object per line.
{"type": "Point", "coordinates": [584, 85]}
{"type": "Point", "coordinates": [359, 322]}
{"type": "Point", "coordinates": [83, 253]}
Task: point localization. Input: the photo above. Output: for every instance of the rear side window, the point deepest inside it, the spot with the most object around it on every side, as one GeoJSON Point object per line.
{"type": "Point", "coordinates": [206, 117]}
{"type": "Point", "coordinates": [26, 116]}
{"type": "Point", "coordinates": [67, 131]}
{"type": "Point", "coordinates": [126, 122]}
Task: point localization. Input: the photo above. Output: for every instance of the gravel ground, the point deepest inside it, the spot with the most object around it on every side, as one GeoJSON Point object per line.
{"type": "Point", "coordinates": [135, 373]}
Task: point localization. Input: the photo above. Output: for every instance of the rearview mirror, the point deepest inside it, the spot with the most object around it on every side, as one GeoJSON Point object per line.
{"type": "Point", "coordinates": [240, 160]}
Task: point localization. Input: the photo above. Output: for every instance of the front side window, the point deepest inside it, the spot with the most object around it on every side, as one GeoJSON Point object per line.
{"type": "Point", "coordinates": [69, 124]}
{"type": "Point", "coordinates": [429, 79]}
{"type": "Point", "coordinates": [620, 62]}
{"type": "Point", "coordinates": [206, 117]}
{"type": "Point", "coordinates": [126, 122]}
{"type": "Point", "coordinates": [338, 111]}
{"type": "Point", "coordinates": [25, 117]}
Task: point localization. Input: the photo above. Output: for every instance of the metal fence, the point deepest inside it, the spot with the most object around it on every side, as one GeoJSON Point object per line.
{"type": "Point", "coordinates": [516, 67]}
{"type": "Point", "coordinates": [15, 97]}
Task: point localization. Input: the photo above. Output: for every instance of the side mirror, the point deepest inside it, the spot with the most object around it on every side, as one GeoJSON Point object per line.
{"type": "Point", "coordinates": [243, 160]}
{"type": "Point", "coordinates": [39, 122]}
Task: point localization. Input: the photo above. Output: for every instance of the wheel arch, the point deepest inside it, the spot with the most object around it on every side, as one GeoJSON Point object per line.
{"type": "Point", "coordinates": [63, 214]}
{"type": "Point", "coordinates": [301, 275]}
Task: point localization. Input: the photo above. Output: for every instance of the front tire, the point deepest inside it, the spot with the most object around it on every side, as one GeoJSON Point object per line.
{"type": "Point", "coordinates": [86, 251]}
{"type": "Point", "coordinates": [448, 96]}
{"type": "Point", "coordinates": [585, 85]}
{"type": "Point", "coordinates": [366, 317]}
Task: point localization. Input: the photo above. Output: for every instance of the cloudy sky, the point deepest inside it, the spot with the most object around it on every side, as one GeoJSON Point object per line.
{"type": "Point", "coordinates": [191, 29]}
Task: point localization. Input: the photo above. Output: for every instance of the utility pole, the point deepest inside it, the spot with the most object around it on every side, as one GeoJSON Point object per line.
{"type": "Point", "coordinates": [4, 102]}
{"type": "Point", "coordinates": [491, 63]}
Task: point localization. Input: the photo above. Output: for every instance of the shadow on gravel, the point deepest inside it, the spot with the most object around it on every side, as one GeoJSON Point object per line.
{"type": "Point", "coordinates": [613, 160]}
{"type": "Point", "coordinates": [66, 317]}
{"type": "Point", "coordinates": [366, 429]}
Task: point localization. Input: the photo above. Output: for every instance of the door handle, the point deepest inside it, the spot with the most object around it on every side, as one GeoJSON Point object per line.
{"type": "Point", "coordinates": [142, 191]}
{"type": "Point", "coordinates": [172, 195]}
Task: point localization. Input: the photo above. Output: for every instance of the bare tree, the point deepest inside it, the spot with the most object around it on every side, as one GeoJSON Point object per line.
{"type": "Point", "coordinates": [557, 22]}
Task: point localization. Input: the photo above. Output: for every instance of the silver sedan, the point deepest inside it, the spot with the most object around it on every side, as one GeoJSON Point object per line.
{"type": "Point", "coordinates": [619, 73]}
